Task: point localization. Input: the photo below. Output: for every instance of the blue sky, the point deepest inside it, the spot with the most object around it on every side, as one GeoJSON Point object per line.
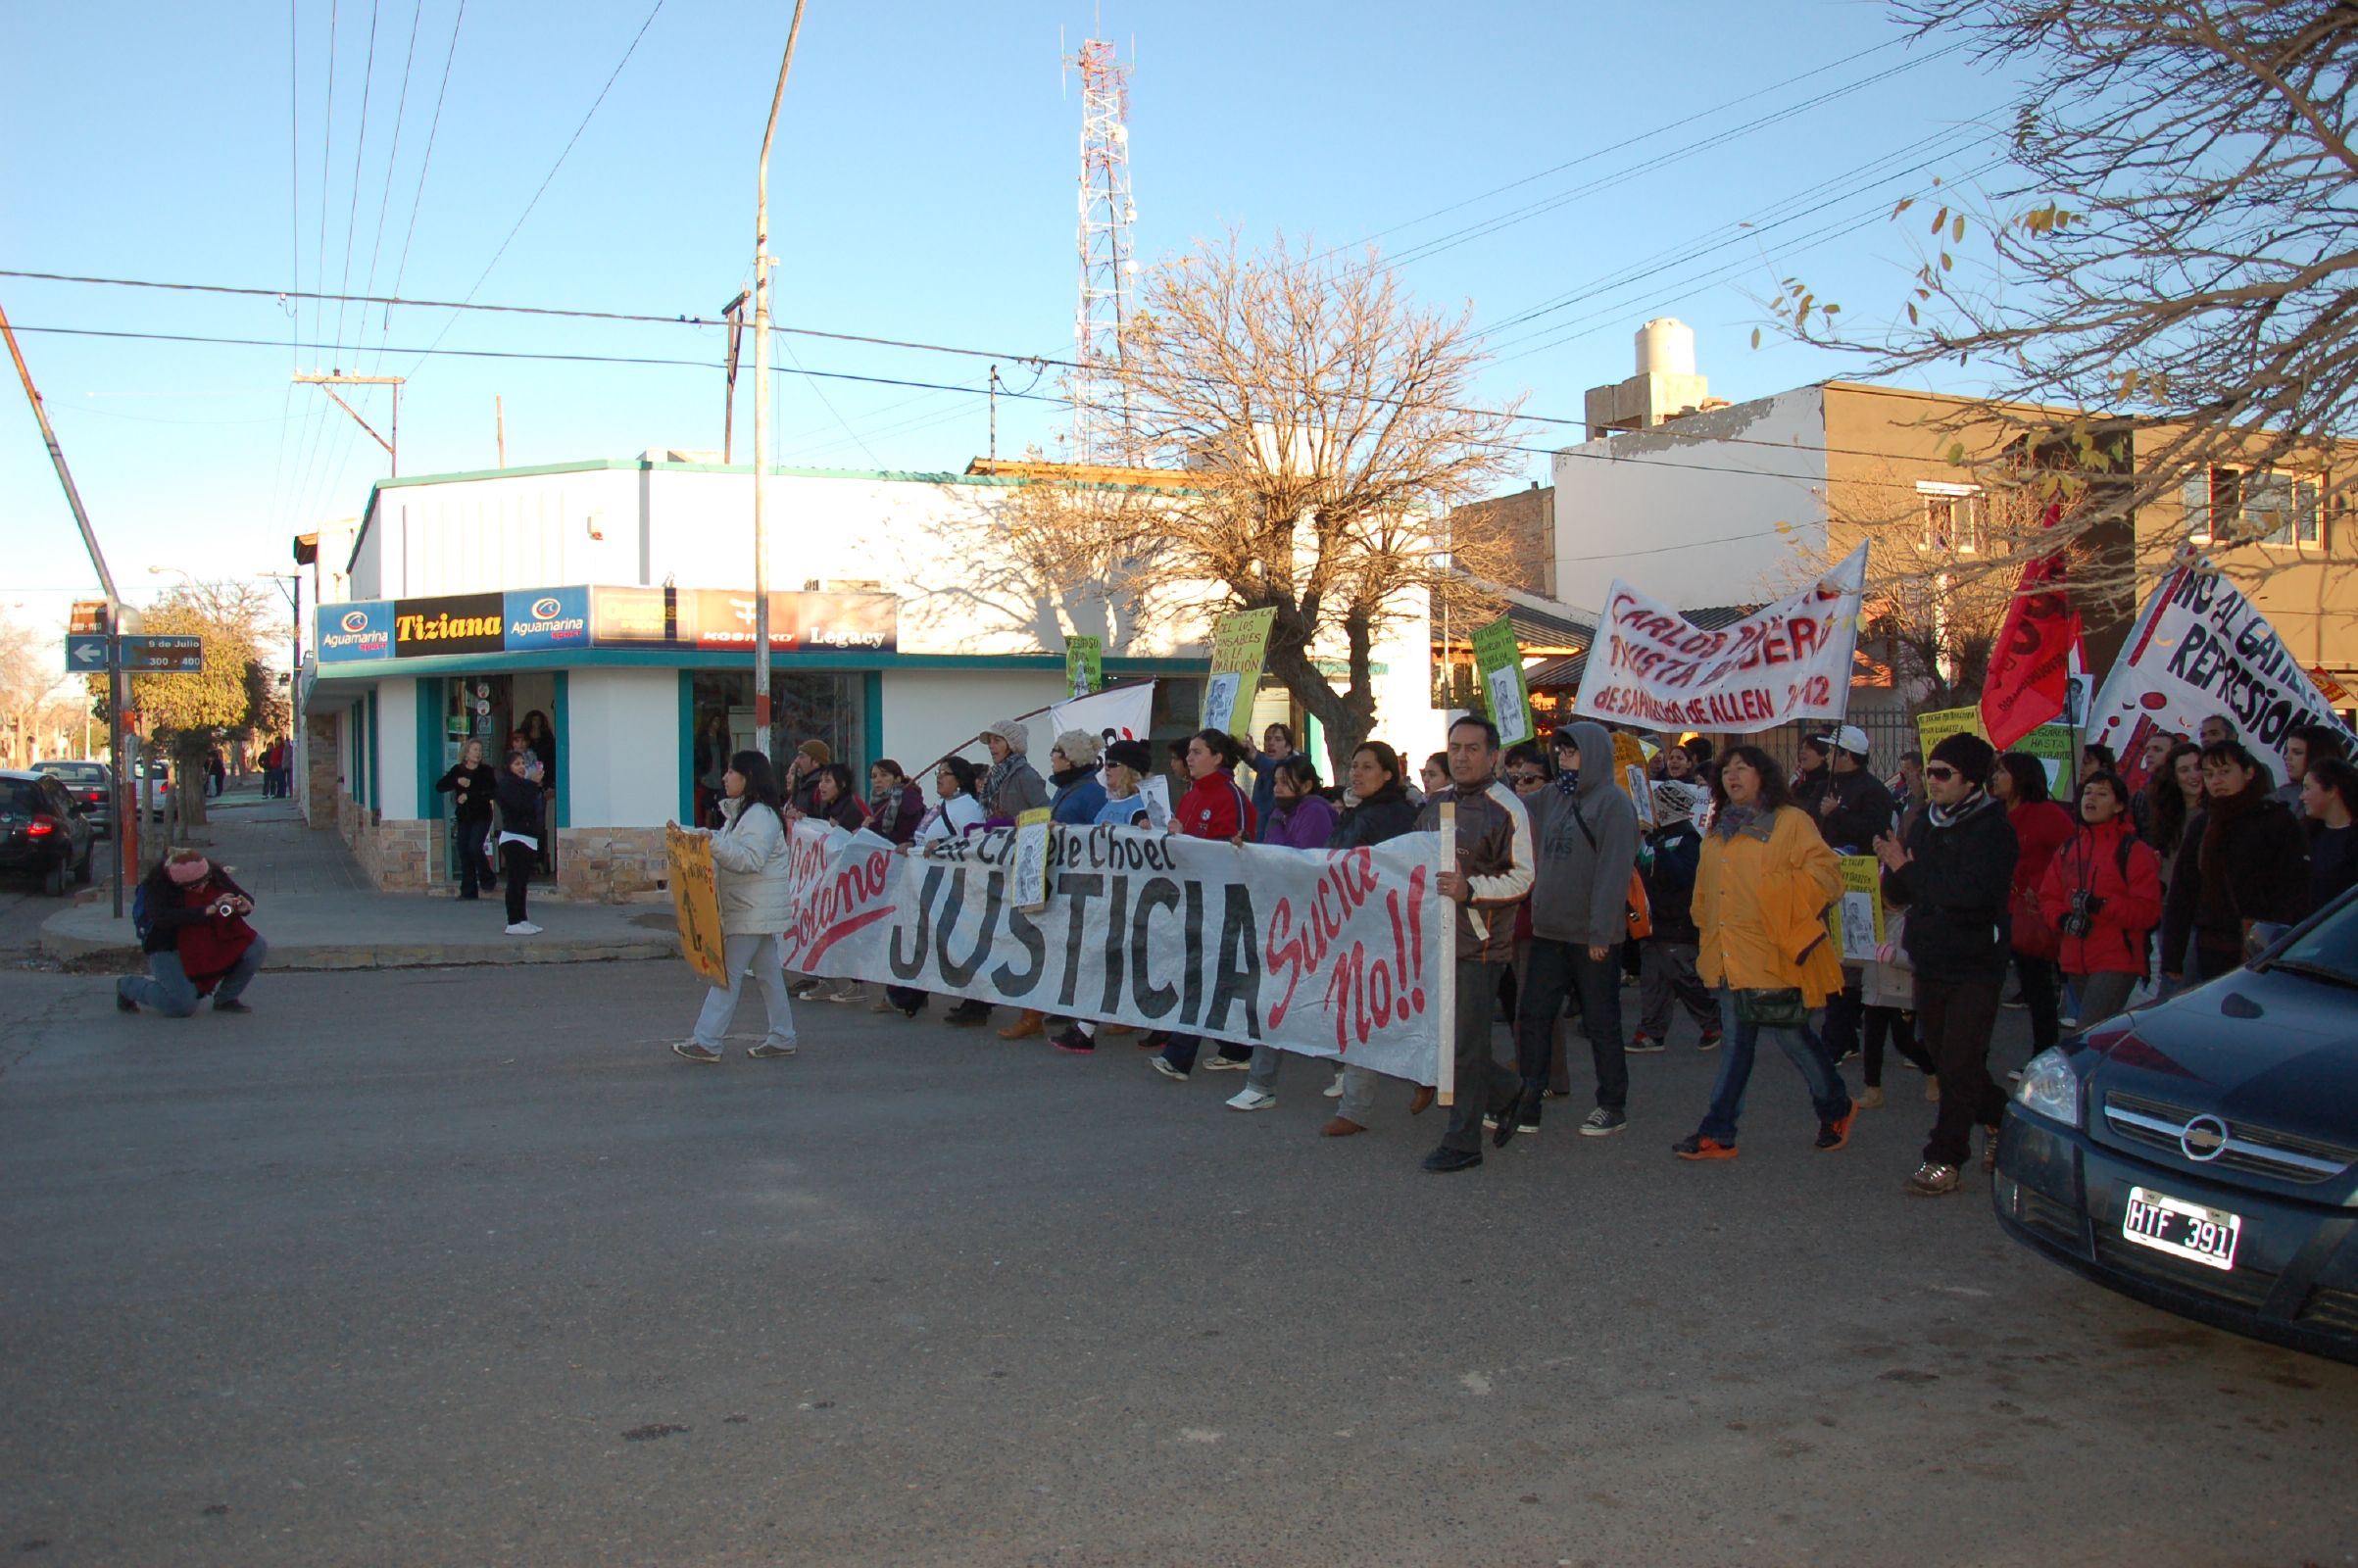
{"type": "Point", "coordinates": [922, 189]}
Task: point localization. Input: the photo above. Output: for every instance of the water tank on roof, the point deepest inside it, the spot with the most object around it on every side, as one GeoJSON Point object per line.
{"type": "Point", "coordinates": [1665, 347]}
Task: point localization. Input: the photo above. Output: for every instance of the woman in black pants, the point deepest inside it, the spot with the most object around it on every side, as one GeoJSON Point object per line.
{"type": "Point", "coordinates": [472, 784]}
{"type": "Point", "coordinates": [519, 802]}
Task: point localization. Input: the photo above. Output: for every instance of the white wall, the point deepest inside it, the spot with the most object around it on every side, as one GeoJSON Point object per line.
{"type": "Point", "coordinates": [397, 743]}
{"type": "Point", "coordinates": [621, 747]}
{"type": "Point", "coordinates": [501, 531]}
{"type": "Point", "coordinates": [927, 712]}
{"type": "Point", "coordinates": [1688, 512]}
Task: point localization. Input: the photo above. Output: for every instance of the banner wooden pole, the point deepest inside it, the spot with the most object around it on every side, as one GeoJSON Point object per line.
{"type": "Point", "coordinates": [1444, 922]}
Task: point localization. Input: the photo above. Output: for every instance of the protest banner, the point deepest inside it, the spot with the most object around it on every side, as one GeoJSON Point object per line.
{"type": "Point", "coordinates": [1084, 665]}
{"type": "Point", "coordinates": [2199, 648]}
{"type": "Point", "coordinates": [1855, 920]}
{"type": "Point", "coordinates": [1935, 727]}
{"type": "Point", "coordinates": [1337, 956]}
{"type": "Point", "coordinates": [1499, 659]}
{"type": "Point", "coordinates": [1123, 712]}
{"type": "Point", "coordinates": [1237, 644]}
{"type": "Point", "coordinates": [688, 858]}
{"type": "Point", "coordinates": [1653, 668]}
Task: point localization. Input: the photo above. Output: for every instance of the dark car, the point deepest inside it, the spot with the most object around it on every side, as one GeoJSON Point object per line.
{"type": "Point", "coordinates": [93, 786]}
{"type": "Point", "coordinates": [2201, 1154]}
{"type": "Point", "coordinates": [42, 831]}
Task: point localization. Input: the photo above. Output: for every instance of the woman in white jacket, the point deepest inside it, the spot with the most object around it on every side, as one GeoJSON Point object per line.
{"type": "Point", "coordinates": [750, 875]}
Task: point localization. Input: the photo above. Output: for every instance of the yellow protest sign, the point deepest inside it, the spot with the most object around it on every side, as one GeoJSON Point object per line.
{"type": "Point", "coordinates": [1855, 920]}
{"type": "Point", "coordinates": [696, 903]}
{"type": "Point", "coordinates": [1238, 643]}
{"type": "Point", "coordinates": [1933, 728]}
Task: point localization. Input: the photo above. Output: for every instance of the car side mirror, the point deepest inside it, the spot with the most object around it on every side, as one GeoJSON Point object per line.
{"type": "Point", "coordinates": [2261, 936]}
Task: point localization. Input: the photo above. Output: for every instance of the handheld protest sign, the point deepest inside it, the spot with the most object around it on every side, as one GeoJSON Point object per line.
{"type": "Point", "coordinates": [1028, 877]}
{"type": "Point", "coordinates": [1500, 660]}
{"type": "Point", "coordinates": [1237, 644]}
{"type": "Point", "coordinates": [695, 901]}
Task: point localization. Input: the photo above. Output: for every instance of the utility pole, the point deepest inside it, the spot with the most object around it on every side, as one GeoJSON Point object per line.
{"type": "Point", "coordinates": [993, 413]}
{"type": "Point", "coordinates": [396, 382]}
{"type": "Point", "coordinates": [499, 425]}
{"type": "Point", "coordinates": [762, 265]}
{"type": "Point", "coordinates": [106, 580]}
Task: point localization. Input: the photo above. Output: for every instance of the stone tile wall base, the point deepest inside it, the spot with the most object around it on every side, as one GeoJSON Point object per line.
{"type": "Point", "coordinates": [611, 864]}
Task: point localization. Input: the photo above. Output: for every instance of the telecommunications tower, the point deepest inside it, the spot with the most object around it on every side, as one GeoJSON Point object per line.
{"type": "Point", "coordinates": [1101, 400]}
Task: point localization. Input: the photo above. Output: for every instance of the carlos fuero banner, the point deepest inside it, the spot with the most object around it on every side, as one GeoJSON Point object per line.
{"type": "Point", "coordinates": [1328, 955]}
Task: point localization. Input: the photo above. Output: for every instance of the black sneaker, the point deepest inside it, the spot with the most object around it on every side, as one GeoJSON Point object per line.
{"type": "Point", "coordinates": [1602, 1123]}
{"type": "Point", "coordinates": [1446, 1159]}
{"type": "Point", "coordinates": [1509, 1120]}
{"type": "Point", "coordinates": [231, 1006]}
{"type": "Point", "coordinates": [123, 1004]}
{"type": "Point", "coordinates": [967, 1014]}
{"type": "Point", "coordinates": [1071, 1039]}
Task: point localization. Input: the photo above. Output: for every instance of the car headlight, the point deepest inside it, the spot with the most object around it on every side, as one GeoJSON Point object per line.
{"type": "Point", "coordinates": [2050, 1088]}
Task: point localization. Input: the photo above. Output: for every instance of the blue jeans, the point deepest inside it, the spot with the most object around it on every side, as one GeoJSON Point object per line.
{"type": "Point", "coordinates": [167, 988]}
{"type": "Point", "coordinates": [1827, 1096]}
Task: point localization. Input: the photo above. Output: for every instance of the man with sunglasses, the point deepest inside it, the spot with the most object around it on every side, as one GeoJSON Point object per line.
{"type": "Point", "coordinates": [1954, 874]}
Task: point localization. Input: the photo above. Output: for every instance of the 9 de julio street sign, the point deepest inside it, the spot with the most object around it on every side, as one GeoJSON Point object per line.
{"type": "Point", "coordinates": [86, 653]}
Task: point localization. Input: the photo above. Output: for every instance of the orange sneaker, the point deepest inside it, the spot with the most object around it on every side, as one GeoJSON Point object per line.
{"type": "Point", "coordinates": [1833, 1134]}
{"type": "Point", "coordinates": [1700, 1148]}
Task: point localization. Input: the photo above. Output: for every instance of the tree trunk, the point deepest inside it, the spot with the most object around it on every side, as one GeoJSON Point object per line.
{"type": "Point", "coordinates": [1347, 715]}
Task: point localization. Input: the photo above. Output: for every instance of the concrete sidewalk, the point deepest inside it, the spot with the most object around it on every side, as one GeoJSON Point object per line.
{"type": "Point", "coordinates": [318, 911]}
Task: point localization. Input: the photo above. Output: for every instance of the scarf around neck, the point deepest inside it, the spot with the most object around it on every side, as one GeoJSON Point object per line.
{"type": "Point", "coordinates": [1754, 821]}
{"type": "Point", "coordinates": [1950, 816]}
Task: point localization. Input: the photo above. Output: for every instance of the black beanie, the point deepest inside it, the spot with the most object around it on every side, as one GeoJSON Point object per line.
{"type": "Point", "coordinates": [1132, 754]}
{"type": "Point", "coordinates": [1968, 754]}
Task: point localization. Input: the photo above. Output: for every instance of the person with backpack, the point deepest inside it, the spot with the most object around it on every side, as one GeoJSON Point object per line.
{"type": "Point", "coordinates": [2102, 891]}
{"type": "Point", "coordinates": [1666, 957]}
{"type": "Point", "coordinates": [191, 918]}
{"type": "Point", "coordinates": [751, 875]}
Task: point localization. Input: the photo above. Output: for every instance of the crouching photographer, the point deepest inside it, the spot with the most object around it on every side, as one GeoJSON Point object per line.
{"type": "Point", "coordinates": [192, 922]}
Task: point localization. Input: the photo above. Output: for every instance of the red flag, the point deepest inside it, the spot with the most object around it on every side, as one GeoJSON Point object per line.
{"type": "Point", "coordinates": [2030, 665]}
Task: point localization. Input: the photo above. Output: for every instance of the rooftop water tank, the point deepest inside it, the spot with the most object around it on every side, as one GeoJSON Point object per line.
{"type": "Point", "coordinates": [1665, 347]}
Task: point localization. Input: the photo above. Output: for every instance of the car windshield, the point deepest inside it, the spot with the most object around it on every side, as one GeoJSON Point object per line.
{"type": "Point", "coordinates": [2330, 947]}
{"type": "Point", "coordinates": [77, 773]}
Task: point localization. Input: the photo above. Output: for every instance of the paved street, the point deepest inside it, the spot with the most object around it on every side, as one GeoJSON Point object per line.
{"type": "Point", "coordinates": [461, 1266]}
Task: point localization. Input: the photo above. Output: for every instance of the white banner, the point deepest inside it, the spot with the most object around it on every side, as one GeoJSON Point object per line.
{"type": "Point", "coordinates": [1653, 668]}
{"type": "Point", "coordinates": [1334, 955]}
{"type": "Point", "coordinates": [1123, 712]}
{"type": "Point", "coordinates": [2199, 648]}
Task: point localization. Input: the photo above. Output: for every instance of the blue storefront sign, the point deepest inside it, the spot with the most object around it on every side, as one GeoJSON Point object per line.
{"type": "Point", "coordinates": [548, 617]}
{"type": "Point", "coordinates": [350, 632]}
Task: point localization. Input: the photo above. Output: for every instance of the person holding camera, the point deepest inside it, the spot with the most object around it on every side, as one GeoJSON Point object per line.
{"type": "Point", "coordinates": [2102, 893]}
{"type": "Point", "coordinates": [192, 922]}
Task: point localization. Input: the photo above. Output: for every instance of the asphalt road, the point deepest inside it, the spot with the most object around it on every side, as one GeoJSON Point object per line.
{"type": "Point", "coordinates": [462, 1267]}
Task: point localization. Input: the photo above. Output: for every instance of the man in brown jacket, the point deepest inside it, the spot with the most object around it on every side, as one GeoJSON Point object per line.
{"type": "Point", "coordinates": [1493, 876]}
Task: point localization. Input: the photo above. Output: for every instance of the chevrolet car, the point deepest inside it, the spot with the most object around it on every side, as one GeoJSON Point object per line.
{"type": "Point", "coordinates": [42, 831]}
{"type": "Point", "coordinates": [2201, 1153]}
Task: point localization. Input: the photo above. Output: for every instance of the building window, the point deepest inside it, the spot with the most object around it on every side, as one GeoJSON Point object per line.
{"type": "Point", "coordinates": [2230, 506]}
{"type": "Point", "coordinates": [1956, 518]}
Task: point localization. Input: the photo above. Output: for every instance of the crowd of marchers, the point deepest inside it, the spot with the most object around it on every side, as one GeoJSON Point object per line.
{"type": "Point", "coordinates": [1712, 902]}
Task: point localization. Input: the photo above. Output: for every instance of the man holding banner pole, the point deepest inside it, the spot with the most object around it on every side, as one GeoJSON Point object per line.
{"type": "Point", "coordinates": [1492, 874]}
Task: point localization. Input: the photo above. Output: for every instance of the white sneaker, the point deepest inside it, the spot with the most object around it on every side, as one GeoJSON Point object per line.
{"type": "Point", "coordinates": [523, 928]}
{"type": "Point", "coordinates": [1251, 1100]}
{"type": "Point", "coordinates": [1333, 1090]}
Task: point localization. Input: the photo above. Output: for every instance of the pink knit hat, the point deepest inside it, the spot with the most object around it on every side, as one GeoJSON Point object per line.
{"type": "Point", "coordinates": [189, 871]}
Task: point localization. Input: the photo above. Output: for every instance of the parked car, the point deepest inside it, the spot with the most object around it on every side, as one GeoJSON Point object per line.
{"type": "Point", "coordinates": [2201, 1154]}
{"type": "Point", "coordinates": [93, 786]}
{"type": "Point", "coordinates": [42, 831]}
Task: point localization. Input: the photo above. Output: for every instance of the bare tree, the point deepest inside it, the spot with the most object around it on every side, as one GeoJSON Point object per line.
{"type": "Point", "coordinates": [2175, 255]}
{"type": "Point", "coordinates": [1325, 427]}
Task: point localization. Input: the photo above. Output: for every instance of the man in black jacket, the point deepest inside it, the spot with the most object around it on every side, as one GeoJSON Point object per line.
{"type": "Point", "coordinates": [1954, 876]}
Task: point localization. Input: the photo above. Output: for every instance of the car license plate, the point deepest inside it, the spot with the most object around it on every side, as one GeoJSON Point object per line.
{"type": "Point", "coordinates": [2205, 1236]}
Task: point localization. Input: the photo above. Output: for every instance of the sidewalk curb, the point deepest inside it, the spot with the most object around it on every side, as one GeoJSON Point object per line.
{"type": "Point", "coordinates": [386, 955]}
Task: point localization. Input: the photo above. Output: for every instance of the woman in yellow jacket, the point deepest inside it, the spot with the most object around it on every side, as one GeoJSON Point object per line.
{"type": "Point", "coordinates": [1760, 899]}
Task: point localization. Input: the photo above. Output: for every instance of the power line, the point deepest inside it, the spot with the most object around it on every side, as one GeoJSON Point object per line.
{"type": "Point", "coordinates": [1031, 397]}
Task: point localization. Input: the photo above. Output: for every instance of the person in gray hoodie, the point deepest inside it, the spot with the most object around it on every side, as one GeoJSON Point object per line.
{"type": "Point", "coordinates": [1585, 829]}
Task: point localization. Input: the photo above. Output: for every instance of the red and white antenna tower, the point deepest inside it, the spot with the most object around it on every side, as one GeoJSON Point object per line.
{"type": "Point", "coordinates": [1101, 400]}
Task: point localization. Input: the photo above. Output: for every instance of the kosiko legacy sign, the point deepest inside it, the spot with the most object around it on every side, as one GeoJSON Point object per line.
{"type": "Point", "coordinates": [565, 619]}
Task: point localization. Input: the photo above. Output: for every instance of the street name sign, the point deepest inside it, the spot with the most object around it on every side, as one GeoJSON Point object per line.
{"type": "Point", "coordinates": [164, 656]}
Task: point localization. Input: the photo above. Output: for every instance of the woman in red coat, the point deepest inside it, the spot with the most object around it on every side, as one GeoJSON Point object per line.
{"type": "Point", "coordinates": [2102, 891]}
{"type": "Point", "coordinates": [1214, 806]}
{"type": "Point", "coordinates": [2041, 828]}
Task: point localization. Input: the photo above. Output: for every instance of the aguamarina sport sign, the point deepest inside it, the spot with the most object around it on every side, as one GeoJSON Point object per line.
{"type": "Point", "coordinates": [1328, 955]}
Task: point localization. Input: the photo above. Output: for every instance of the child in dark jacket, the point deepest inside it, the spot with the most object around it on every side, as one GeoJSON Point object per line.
{"type": "Point", "coordinates": [1666, 959]}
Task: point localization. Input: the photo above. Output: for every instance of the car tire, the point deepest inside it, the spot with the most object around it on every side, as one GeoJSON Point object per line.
{"type": "Point", "coordinates": [83, 870]}
{"type": "Point", "coordinates": [53, 881]}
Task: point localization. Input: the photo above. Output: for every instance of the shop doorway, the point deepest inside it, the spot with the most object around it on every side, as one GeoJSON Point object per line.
{"type": "Point", "coordinates": [803, 708]}
{"type": "Point", "coordinates": [492, 709]}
